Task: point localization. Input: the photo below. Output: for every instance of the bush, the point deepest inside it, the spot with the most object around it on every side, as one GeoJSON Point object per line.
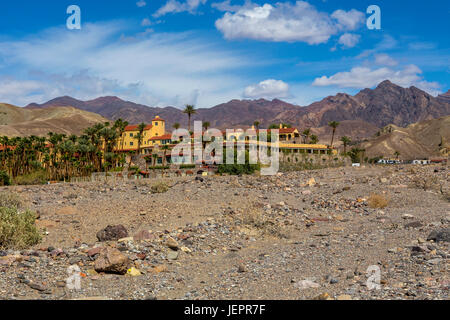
{"type": "Point", "coordinates": [377, 201]}
{"type": "Point", "coordinates": [264, 224]}
{"type": "Point", "coordinates": [159, 187]}
{"type": "Point", "coordinates": [187, 166]}
{"type": "Point", "coordinates": [11, 200]}
{"type": "Point", "coordinates": [238, 169]}
{"type": "Point", "coordinates": [36, 177]}
{"type": "Point", "coordinates": [18, 229]}
{"type": "Point", "coordinates": [5, 180]}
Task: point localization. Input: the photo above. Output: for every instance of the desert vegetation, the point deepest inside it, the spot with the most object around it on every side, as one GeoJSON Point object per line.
{"type": "Point", "coordinates": [17, 224]}
{"type": "Point", "coordinates": [36, 160]}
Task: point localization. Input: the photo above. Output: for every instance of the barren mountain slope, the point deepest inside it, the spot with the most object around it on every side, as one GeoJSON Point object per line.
{"type": "Point", "coordinates": [15, 121]}
{"type": "Point", "coordinates": [420, 140]}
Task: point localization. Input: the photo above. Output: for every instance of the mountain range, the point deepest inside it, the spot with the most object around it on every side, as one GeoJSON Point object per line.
{"type": "Point", "coordinates": [370, 108]}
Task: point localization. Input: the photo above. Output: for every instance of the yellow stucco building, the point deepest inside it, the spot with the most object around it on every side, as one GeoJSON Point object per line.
{"type": "Point", "coordinates": [152, 132]}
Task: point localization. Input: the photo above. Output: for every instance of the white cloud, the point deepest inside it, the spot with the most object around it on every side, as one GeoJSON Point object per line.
{"type": "Point", "coordinates": [365, 77]}
{"type": "Point", "coordinates": [146, 22]}
{"type": "Point", "coordinates": [349, 20]}
{"type": "Point", "coordinates": [141, 3]}
{"type": "Point", "coordinates": [383, 59]}
{"type": "Point", "coordinates": [268, 89]}
{"type": "Point", "coordinates": [174, 6]}
{"type": "Point", "coordinates": [227, 6]}
{"type": "Point", "coordinates": [287, 22]}
{"type": "Point", "coordinates": [150, 68]}
{"type": "Point", "coordinates": [349, 40]}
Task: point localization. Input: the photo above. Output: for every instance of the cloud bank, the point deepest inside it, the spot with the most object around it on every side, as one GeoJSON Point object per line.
{"type": "Point", "coordinates": [268, 89]}
{"type": "Point", "coordinates": [287, 22]}
{"type": "Point", "coordinates": [150, 68]}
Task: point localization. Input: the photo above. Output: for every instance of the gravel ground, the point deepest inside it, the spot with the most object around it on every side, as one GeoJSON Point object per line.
{"type": "Point", "coordinates": [298, 235]}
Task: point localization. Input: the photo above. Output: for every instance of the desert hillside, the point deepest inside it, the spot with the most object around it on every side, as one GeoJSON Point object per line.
{"type": "Point", "coordinates": [15, 121]}
{"type": "Point", "coordinates": [419, 140]}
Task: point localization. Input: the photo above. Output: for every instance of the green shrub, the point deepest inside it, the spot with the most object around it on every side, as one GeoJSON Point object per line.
{"type": "Point", "coordinates": [5, 180]}
{"type": "Point", "coordinates": [134, 169]}
{"type": "Point", "coordinates": [159, 187]}
{"type": "Point", "coordinates": [238, 169]}
{"type": "Point", "coordinates": [18, 229]}
{"type": "Point", "coordinates": [187, 166]}
{"type": "Point", "coordinates": [11, 200]}
{"type": "Point", "coordinates": [36, 177]}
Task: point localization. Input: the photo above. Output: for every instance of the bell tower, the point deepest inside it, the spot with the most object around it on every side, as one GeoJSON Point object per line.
{"type": "Point", "coordinates": [159, 126]}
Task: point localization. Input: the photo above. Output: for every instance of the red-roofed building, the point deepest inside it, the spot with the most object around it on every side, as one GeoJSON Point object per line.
{"type": "Point", "coordinates": [130, 142]}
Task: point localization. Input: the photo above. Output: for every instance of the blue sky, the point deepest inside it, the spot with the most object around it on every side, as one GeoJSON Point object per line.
{"type": "Point", "coordinates": [206, 52]}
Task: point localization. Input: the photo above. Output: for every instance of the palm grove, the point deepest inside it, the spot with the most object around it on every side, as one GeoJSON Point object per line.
{"type": "Point", "coordinates": [58, 156]}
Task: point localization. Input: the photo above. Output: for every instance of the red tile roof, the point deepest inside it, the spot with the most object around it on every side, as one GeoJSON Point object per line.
{"type": "Point", "coordinates": [287, 130]}
{"type": "Point", "coordinates": [136, 127]}
{"type": "Point", "coordinates": [164, 137]}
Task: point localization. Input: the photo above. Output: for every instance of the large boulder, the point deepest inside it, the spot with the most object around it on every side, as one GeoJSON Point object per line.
{"type": "Point", "coordinates": [112, 260]}
{"type": "Point", "coordinates": [112, 233]}
{"type": "Point", "coordinates": [440, 235]}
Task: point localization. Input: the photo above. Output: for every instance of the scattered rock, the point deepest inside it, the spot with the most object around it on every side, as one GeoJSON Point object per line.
{"type": "Point", "coordinates": [440, 235]}
{"type": "Point", "coordinates": [306, 284]}
{"type": "Point", "coordinates": [143, 235]}
{"type": "Point", "coordinates": [134, 272]}
{"type": "Point", "coordinates": [172, 243]}
{"type": "Point", "coordinates": [415, 224]}
{"type": "Point", "coordinates": [172, 255]}
{"type": "Point", "coordinates": [112, 233]}
{"type": "Point", "coordinates": [242, 268]}
{"type": "Point", "coordinates": [112, 260]}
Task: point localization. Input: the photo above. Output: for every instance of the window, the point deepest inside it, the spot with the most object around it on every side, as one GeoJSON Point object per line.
{"type": "Point", "coordinates": [131, 134]}
{"type": "Point", "coordinates": [156, 123]}
{"type": "Point", "coordinates": [131, 143]}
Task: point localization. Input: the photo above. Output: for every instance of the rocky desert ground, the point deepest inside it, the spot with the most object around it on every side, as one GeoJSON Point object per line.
{"type": "Point", "coordinates": [297, 235]}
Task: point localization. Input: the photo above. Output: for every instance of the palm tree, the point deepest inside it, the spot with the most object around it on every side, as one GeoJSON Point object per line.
{"type": "Point", "coordinates": [397, 155]}
{"type": "Point", "coordinates": [189, 110]}
{"type": "Point", "coordinates": [155, 157]}
{"type": "Point", "coordinates": [206, 125]}
{"type": "Point", "coordinates": [334, 125]}
{"type": "Point", "coordinates": [120, 126]}
{"type": "Point", "coordinates": [306, 135]}
{"type": "Point", "coordinates": [140, 136]}
{"type": "Point", "coordinates": [256, 124]}
{"type": "Point", "coordinates": [165, 148]}
{"type": "Point", "coordinates": [346, 141]}
{"type": "Point", "coordinates": [176, 126]}
{"type": "Point", "coordinates": [314, 139]}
